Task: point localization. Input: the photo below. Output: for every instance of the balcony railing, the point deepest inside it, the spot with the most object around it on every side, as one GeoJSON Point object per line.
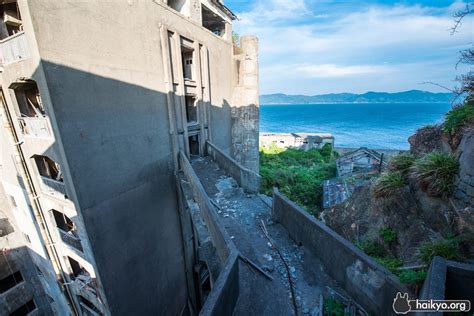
{"type": "Point", "coordinates": [70, 239]}
{"type": "Point", "coordinates": [53, 187]}
{"type": "Point", "coordinates": [14, 49]}
{"type": "Point", "coordinates": [35, 126]}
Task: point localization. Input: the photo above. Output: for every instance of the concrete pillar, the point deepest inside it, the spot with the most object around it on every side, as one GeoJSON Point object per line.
{"type": "Point", "coordinates": [245, 106]}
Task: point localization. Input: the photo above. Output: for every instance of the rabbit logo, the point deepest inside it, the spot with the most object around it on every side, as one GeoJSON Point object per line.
{"type": "Point", "coordinates": [401, 304]}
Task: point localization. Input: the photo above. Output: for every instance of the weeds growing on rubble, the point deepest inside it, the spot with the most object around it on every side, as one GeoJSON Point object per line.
{"type": "Point", "coordinates": [297, 173]}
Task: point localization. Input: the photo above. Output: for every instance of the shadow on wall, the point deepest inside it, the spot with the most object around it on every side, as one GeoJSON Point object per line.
{"type": "Point", "coordinates": [118, 157]}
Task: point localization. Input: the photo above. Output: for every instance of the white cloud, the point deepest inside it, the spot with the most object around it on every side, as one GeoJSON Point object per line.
{"type": "Point", "coordinates": [366, 42]}
{"type": "Point", "coordinates": [331, 70]}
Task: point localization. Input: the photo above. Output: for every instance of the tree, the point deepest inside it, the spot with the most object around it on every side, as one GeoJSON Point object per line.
{"type": "Point", "coordinates": [466, 81]}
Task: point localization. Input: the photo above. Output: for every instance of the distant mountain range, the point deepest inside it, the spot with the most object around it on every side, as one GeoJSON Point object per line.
{"type": "Point", "coordinates": [412, 96]}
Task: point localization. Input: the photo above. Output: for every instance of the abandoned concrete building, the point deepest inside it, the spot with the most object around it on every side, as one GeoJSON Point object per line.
{"type": "Point", "coordinates": [303, 141]}
{"type": "Point", "coordinates": [98, 99]}
{"type": "Point", "coordinates": [129, 171]}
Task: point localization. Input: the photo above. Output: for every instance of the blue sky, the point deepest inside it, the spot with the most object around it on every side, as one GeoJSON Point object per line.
{"type": "Point", "coordinates": [329, 46]}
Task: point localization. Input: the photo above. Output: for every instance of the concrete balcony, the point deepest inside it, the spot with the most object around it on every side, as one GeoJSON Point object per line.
{"type": "Point", "coordinates": [52, 187]}
{"type": "Point", "coordinates": [70, 239]}
{"type": "Point", "coordinates": [14, 49]}
{"type": "Point", "coordinates": [35, 127]}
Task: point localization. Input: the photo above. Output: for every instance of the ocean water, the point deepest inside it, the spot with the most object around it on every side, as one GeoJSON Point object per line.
{"type": "Point", "coordinates": [373, 125]}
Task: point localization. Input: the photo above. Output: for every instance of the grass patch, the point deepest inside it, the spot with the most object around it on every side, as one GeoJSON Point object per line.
{"type": "Point", "coordinates": [333, 307]}
{"type": "Point", "coordinates": [298, 174]}
{"type": "Point", "coordinates": [435, 173]}
{"type": "Point", "coordinates": [458, 117]}
{"type": "Point", "coordinates": [412, 277]}
{"type": "Point", "coordinates": [447, 248]}
{"type": "Point", "coordinates": [387, 183]}
{"type": "Point", "coordinates": [388, 235]}
{"type": "Point", "coordinates": [402, 163]}
{"type": "Point", "coordinates": [390, 263]}
{"type": "Point", "coordinates": [372, 248]}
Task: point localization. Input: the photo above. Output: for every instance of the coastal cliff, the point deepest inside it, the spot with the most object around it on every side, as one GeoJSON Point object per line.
{"type": "Point", "coordinates": [417, 216]}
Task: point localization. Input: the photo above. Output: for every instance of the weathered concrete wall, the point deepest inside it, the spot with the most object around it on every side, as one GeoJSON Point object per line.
{"type": "Point", "coordinates": [448, 280]}
{"type": "Point", "coordinates": [225, 292]}
{"type": "Point", "coordinates": [370, 284]}
{"type": "Point", "coordinates": [245, 110]}
{"type": "Point", "coordinates": [247, 179]}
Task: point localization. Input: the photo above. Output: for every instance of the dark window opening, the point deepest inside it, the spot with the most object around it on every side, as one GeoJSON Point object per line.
{"type": "Point", "coordinates": [76, 268]}
{"type": "Point", "coordinates": [187, 60]}
{"type": "Point", "coordinates": [10, 281]}
{"type": "Point", "coordinates": [63, 222]}
{"type": "Point", "coordinates": [191, 109]}
{"type": "Point", "coordinates": [25, 309]}
{"type": "Point", "coordinates": [13, 201]}
{"type": "Point", "coordinates": [11, 19]}
{"type": "Point", "coordinates": [6, 227]}
{"type": "Point", "coordinates": [203, 280]}
{"type": "Point", "coordinates": [178, 5]}
{"type": "Point", "coordinates": [212, 21]}
{"type": "Point", "coordinates": [88, 308]}
{"type": "Point", "coordinates": [48, 168]}
{"type": "Point", "coordinates": [28, 99]}
{"type": "Point", "coordinates": [194, 145]}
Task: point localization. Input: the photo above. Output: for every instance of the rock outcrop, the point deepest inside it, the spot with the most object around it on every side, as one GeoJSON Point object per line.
{"type": "Point", "coordinates": [412, 213]}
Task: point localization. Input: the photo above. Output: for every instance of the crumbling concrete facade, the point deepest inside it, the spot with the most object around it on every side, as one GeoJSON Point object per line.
{"type": "Point", "coordinates": [98, 100]}
{"type": "Point", "coordinates": [245, 113]}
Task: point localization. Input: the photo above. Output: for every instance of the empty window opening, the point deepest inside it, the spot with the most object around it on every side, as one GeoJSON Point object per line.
{"type": "Point", "coordinates": [187, 57]}
{"type": "Point", "coordinates": [24, 309]}
{"type": "Point", "coordinates": [13, 201]}
{"type": "Point", "coordinates": [63, 222]}
{"type": "Point", "coordinates": [78, 272]}
{"type": "Point", "coordinates": [191, 109]}
{"type": "Point", "coordinates": [203, 280]}
{"type": "Point", "coordinates": [28, 99]}
{"type": "Point", "coordinates": [212, 21]}
{"type": "Point", "coordinates": [10, 281]}
{"type": "Point", "coordinates": [48, 168]}
{"type": "Point", "coordinates": [11, 19]}
{"type": "Point", "coordinates": [178, 5]}
{"type": "Point", "coordinates": [6, 227]}
{"type": "Point", "coordinates": [194, 145]}
{"type": "Point", "coordinates": [88, 308]}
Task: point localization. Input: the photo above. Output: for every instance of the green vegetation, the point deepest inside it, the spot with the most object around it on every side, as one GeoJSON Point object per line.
{"type": "Point", "coordinates": [391, 263]}
{"type": "Point", "coordinates": [372, 248]}
{"type": "Point", "coordinates": [298, 174]}
{"type": "Point", "coordinates": [412, 277]}
{"type": "Point", "coordinates": [333, 307]}
{"type": "Point", "coordinates": [435, 173]}
{"type": "Point", "coordinates": [402, 163]}
{"type": "Point", "coordinates": [447, 248]}
{"type": "Point", "coordinates": [458, 117]}
{"type": "Point", "coordinates": [388, 235]}
{"type": "Point", "coordinates": [388, 182]}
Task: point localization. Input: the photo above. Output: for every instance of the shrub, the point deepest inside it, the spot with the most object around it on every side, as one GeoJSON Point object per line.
{"type": "Point", "coordinates": [387, 183]}
{"type": "Point", "coordinates": [298, 174]}
{"type": "Point", "coordinates": [390, 263]}
{"type": "Point", "coordinates": [458, 117]}
{"type": "Point", "coordinates": [402, 163]}
{"type": "Point", "coordinates": [435, 173]}
{"type": "Point", "coordinates": [388, 235]}
{"type": "Point", "coordinates": [446, 248]}
{"type": "Point", "coordinates": [412, 277]}
{"type": "Point", "coordinates": [333, 307]}
{"type": "Point", "coordinates": [372, 248]}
